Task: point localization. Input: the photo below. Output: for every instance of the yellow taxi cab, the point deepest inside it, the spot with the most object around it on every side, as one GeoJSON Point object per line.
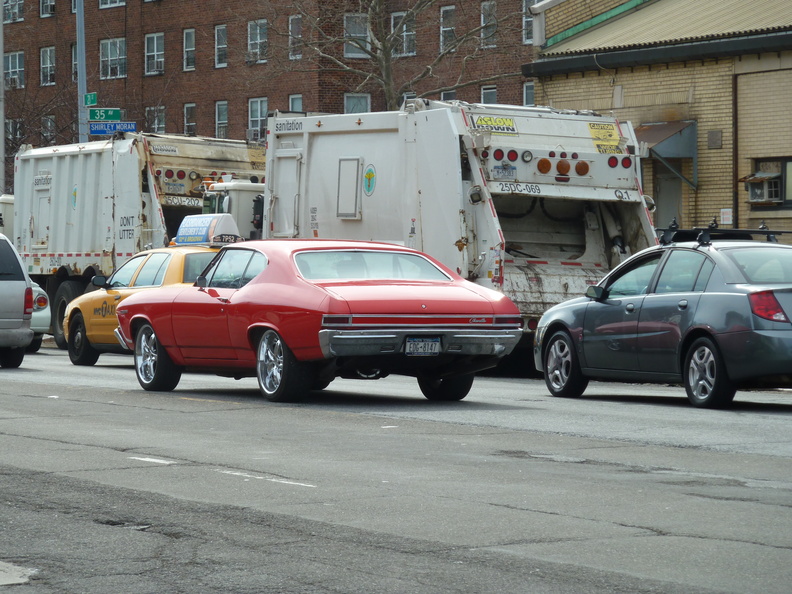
{"type": "Point", "coordinates": [90, 321]}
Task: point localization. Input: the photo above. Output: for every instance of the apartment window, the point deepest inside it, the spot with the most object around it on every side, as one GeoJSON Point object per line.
{"type": "Point", "coordinates": [221, 47]}
{"type": "Point", "coordinates": [356, 36]}
{"type": "Point", "coordinates": [257, 115]}
{"type": "Point", "coordinates": [295, 37]}
{"type": "Point", "coordinates": [448, 95]}
{"type": "Point", "coordinates": [221, 119]}
{"type": "Point", "coordinates": [155, 53]}
{"type": "Point", "coordinates": [74, 61]}
{"type": "Point", "coordinates": [770, 183]}
{"type": "Point", "coordinates": [257, 41]}
{"type": "Point", "coordinates": [47, 67]}
{"type": "Point", "coordinates": [189, 119]}
{"type": "Point", "coordinates": [295, 103]}
{"type": "Point", "coordinates": [112, 58]}
{"type": "Point", "coordinates": [528, 21]}
{"type": "Point", "coordinates": [14, 130]}
{"type": "Point", "coordinates": [14, 70]}
{"type": "Point", "coordinates": [528, 94]}
{"type": "Point", "coordinates": [111, 3]}
{"type": "Point", "coordinates": [155, 119]}
{"type": "Point", "coordinates": [489, 24]}
{"type": "Point", "coordinates": [447, 31]}
{"type": "Point", "coordinates": [46, 8]}
{"type": "Point", "coordinates": [403, 31]}
{"type": "Point", "coordinates": [13, 11]}
{"type": "Point", "coordinates": [489, 94]}
{"type": "Point", "coordinates": [357, 102]}
{"type": "Point", "coordinates": [188, 53]}
{"type": "Point", "coordinates": [48, 130]}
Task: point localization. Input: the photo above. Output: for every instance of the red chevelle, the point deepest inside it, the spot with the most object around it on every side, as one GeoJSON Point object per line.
{"type": "Point", "coordinates": [298, 313]}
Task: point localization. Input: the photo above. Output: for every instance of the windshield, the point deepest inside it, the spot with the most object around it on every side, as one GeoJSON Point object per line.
{"type": "Point", "coordinates": [767, 265]}
{"type": "Point", "coordinates": [357, 265]}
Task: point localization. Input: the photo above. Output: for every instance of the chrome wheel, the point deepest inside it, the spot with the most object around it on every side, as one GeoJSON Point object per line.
{"type": "Point", "coordinates": [153, 366]}
{"type": "Point", "coordinates": [701, 373]}
{"type": "Point", "coordinates": [561, 368]}
{"type": "Point", "coordinates": [270, 363]}
{"type": "Point", "coordinates": [146, 355]}
{"type": "Point", "coordinates": [559, 364]}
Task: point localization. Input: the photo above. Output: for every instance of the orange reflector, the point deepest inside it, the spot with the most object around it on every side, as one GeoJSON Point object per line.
{"type": "Point", "coordinates": [563, 167]}
{"type": "Point", "coordinates": [544, 165]}
{"type": "Point", "coordinates": [582, 168]}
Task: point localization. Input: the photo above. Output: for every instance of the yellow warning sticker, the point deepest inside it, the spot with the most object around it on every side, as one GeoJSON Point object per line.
{"type": "Point", "coordinates": [604, 133]}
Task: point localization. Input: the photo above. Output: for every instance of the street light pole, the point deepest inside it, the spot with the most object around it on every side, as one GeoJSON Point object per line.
{"type": "Point", "coordinates": [82, 110]}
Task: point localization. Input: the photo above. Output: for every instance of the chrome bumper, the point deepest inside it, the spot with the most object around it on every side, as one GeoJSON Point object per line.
{"type": "Point", "coordinates": [120, 338]}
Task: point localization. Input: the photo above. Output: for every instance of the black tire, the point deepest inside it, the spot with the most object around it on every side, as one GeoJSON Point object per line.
{"type": "Point", "coordinates": [34, 346]}
{"type": "Point", "coordinates": [12, 357]}
{"type": "Point", "coordinates": [447, 389]}
{"type": "Point", "coordinates": [81, 352]}
{"type": "Point", "coordinates": [67, 291]}
{"type": "Point", "coordinates": [561, 367]}
{"type": "Point", "coordinates": [154, 369]}
{"type": "Point", "coordinates": [706, 382]}
{"type": "Point", "coordinates": [281, 378]}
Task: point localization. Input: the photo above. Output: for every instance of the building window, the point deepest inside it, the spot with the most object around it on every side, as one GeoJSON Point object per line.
{"type": "Point", "coordinates": [403, 31]}
{"type": "Point", "coordinates": [155, 119]}
{"type": "Point", "coordinates": [155, 53]}
{"type": "Point", "coordinates": [770, 183]}
{"type": "Point", "coordinates": [188, 57]}
{"type": "Point", "coordinates": [489, 94]}
{"type": "Point", "coordinates": [257, 41]}
{"type": "Point", "coordinates": [356, 36]}
{"type": "Point", "coordinates": [74, 61]}
{"type": "Point", "coordinates": [528, 94]}
{"type": "Point", "coordinates": [74, 6]}
{"type": "Point", "coordinates": [14, 70]}
{"type": "Point", "coordinates": [221, 119]}
{"type": "Point", "coordinates": [257, 118]}
{"type": "Point", "coordinates": [14, 130]}
{"type": "Point", "coordinates": [221, 47]}
{"type": "Point", "coordinates": [528, 21]}
{"type": "Point", "coordinates": [447, 31]}
{"type": "Point", "coordinates": [13, 11]}
{"type": "Point", "coordinates": [357, 102]}
{"type": "Point", "coordinates": [110, 3]}
{"type": "Point", "coordinates": [295, 37]}
{"type": "Point", "coordinates": [47, 8]}
{"type": "Point", "coordinates": [189, 119]}
{"type": "Point", "coordinates": [447, 95]}
{"type": "Point", "coordinates": [295, 103]}
{"type": "Point", "coordinates": [47, 67]}
{"type": "Point", "coordinates": [48, 130]}
{"type": "Point", "coordinates": [112, 58]}
{"type": "Point", "coordinates": [489, 23]}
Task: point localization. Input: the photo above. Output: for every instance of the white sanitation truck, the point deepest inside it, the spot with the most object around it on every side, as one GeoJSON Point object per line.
{"type": "Point", "coordinates": [535, 202]}
{"type": "Point", "coordinates": [84, 209]}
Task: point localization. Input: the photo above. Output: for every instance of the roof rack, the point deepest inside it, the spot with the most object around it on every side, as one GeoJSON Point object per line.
{"type": "Point", "coordinates": [705, 235]}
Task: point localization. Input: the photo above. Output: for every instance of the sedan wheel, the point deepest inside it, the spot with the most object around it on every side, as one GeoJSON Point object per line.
{"type": "Point", "coordinates": [11, 358]}
{"type": "Point", "coordinates": [706, 382]}
{"type": "Point", "coordinates": [154, 369]}
{"type": "Point", "coordinates": [561, 368]}
{"type": "Point", "coordinates": [81, 352]}
{"type": "Point", "coordinates": [281, 377]}
{"type": "Point", "coordinates": [447, 388]}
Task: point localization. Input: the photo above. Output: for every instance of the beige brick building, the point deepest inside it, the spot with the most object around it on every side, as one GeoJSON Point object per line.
{"type": "Point", "coordinates": [707, 85]}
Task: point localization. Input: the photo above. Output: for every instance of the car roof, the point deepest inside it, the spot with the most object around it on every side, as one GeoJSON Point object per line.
{"type": "Point", "coordinates": [295, 245]}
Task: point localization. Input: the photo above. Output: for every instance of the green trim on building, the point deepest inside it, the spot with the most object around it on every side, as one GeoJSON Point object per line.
{"type": "Point", "coordinates": [593, 22]}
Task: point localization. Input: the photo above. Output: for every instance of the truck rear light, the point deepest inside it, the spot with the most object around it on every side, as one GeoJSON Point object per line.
{"type": "Point", "coordinates": [563, 166]}
{"type": "Point", "coordinates": [158, 172]}
{"type": "Point", "coordinates": [498, 155]}
{"type": "Point", "coordinates": [169, 173]}
{"type": "Point", "coordinates": [613, 161]}
{"type": "Point", "coordinates": [544, 165]}
{"type": "Point", "coordinates": [484, 154]}
{"type": "Point", "coordinates": [582, 168]}
{"type": "Point", "coordinates": [527, 156]}
{"type": "Point", "coordinates": [627, 162]}
{"type": "Point", "coordinates": [551, 154]}
{"type": "Point", "coordinates": [181, 174]}
{"type": "Point", "coordinates": [512, 155]}
{"type": "Point", "coordinates": [765, 305]}
{"type": "Point", "coordinates": [574, 155]}
{"type": "Point", "coordinates": [28, 300]}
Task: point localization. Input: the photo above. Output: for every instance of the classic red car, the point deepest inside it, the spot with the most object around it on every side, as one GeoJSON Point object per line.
{"type": "Point", "coordinates": [296, 314]}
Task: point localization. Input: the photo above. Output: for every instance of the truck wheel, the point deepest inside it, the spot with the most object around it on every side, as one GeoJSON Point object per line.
{"type": "Point", "coordinates": [281, 377]}
{"type": "Point", "coordinates": [154, 369]}
{"type": "Point", "coordinates": [67, 291]}
{"type": "Point", "coordinates": [706, 382]}
{"type": "Point", "coordinates": [80, 350]}
{"type": "Point", "coordinates": [12, 357]}
{"type": "Point", "coordinates": [561, 367]}
{"type": "Point", "coordinates": [447, 388]}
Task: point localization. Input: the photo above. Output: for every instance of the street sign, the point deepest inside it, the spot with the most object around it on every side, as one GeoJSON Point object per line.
{"type": "Point", "coordinates": [104, 114]}
{"type": "Point", "coordinates": [89, 99]}
{"type": "Point", "coordinates": [108, 128]}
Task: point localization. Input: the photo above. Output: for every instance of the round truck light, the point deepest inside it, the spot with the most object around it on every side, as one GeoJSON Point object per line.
{"type": "Point", "coordinates": [544, 166]}
{"type": "Point", "coordinates": [613, 161]}
{"type": "Point", "coordinates": [627, 162]}
{"type": "Point", "coordinates": [563, 166]}
{"type": "Point", "coordinates": [194, 175]}
{"type": "Point", "coordinates": [527, 156]}
{"type": "Point", "coordinates": [498, 155]}
{"type": "Point", "coordinates": [512, 155]}
{"type": "Point", "coordinates": [582, 168]}
{"type": "Point", "coordinates": [180, 174]}
{"type": "Point", "coordinates": [169, 173]}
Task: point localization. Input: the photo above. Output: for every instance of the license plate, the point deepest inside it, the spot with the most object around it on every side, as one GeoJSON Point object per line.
{"type": "Point", "coordinates": [504, 172]}
{"type": "Point", "coordinates": [422, 347]}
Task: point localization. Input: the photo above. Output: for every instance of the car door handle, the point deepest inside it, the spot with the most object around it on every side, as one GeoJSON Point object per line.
{"type": "Point", "coordinates": [629, 308]}
{"type": "Point", "coordinates": [117, 297]}
{"type": "Point", "coordinates": [222, 300]}
{"type": "Point", "coordinates": [683, 304]}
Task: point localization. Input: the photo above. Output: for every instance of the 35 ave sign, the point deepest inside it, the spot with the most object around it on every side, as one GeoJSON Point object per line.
{"type": "Point", "coordinates": [104, 114]}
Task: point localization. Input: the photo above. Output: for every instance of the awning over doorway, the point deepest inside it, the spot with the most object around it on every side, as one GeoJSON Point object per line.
{"type": "Point", "coordinates": [670, 140]}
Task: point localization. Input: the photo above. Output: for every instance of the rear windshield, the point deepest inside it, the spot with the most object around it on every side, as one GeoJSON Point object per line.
{"type": "Point", "coordinates": [356, 265]}
{"type": "Point", "coordinates": [194, 264]}
{"type": "Point", "coordinates": [769, 265]}
{"type": "Point", "coordinates": [9, 265]}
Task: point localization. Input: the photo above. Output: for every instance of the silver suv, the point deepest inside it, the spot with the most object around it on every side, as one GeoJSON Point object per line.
{"type": "Point", "coordinates": [16, 306]}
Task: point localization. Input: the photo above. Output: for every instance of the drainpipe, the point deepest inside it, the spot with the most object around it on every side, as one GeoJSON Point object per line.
{"type": "Point", "coordinates": [735, 159]}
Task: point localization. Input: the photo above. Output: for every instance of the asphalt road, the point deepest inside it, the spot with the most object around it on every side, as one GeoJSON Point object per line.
{"type": "Point", "coordinates": [368, 487]}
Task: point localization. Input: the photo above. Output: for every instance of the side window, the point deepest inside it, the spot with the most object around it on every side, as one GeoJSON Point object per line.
{"type": "Point", "coordinates": [123, 276]}
{"type": "Point", "coordinates": [194, 265]}
{"type": "Point", "coordinates": [680, 272]}
{"type": "Point", "coordinates": [228, 271]}
{"type": "Point", "coordinates": [153, 271]}
{"type": "Point", "coordinates": [635, 281]}
{"type": "Point", "coordinates": [256, 265]}
{"type": "Point", "coordinates": [704, 275]}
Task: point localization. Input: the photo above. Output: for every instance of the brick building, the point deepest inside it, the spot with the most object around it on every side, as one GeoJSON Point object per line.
{"type": "Point", "coordinates": [707, 85]}
{"type": "Point", "coordinates": [215, 68]}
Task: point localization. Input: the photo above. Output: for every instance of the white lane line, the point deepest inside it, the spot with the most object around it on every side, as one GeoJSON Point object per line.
{"type": "Point", "coordinates": [264, 478]}
{"type": "Point", "coordinates": [154, 460]}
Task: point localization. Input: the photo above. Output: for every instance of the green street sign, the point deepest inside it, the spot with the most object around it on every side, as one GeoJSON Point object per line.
{"type": "Point", "coordinates": [89, 99]}
{"type": "Point", "coordinates": [104, 114]}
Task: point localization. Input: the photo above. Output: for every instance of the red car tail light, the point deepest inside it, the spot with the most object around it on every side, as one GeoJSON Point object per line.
{"type": "Point", "coordinates": [765, 305]}
{"type": "Point", "coordinates": [336, 320]}
{"type": "Point", "coordinates": [28, 300]}
{"type": "Point", "coordinates": [40, 302]}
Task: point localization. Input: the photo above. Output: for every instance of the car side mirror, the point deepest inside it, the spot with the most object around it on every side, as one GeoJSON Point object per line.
{"type": "Point", "coordinates": [597, 293]}
{"type": "Point", "coordinates": [200, 282]}
{"type": "Point", "coordinates": [99, 281]}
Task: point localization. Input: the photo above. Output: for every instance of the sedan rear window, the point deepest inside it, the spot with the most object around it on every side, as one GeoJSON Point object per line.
{"type": "Point", "coordinates": [363, 265]}
{"type": "Point", "coordinates": [763, 265]}
{"type": "Point", "coordinates": [9, 265]}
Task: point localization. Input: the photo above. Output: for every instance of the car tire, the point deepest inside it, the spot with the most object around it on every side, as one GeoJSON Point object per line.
{"type": "Point", "coordinates": [12, 357]}
{"type": "Point", "coordinates": [79, 347]}
{"type": "Point", "coordinates": [154, 368]}
{"type": "Point", "coordinates": [67, 291]}
{"type": "Point", "coordinates": [561, 367]}
{"type": "Point", "coordinates": [35, 345]}
{"type": "Point", "coordinates": [706, 382]}
{"type": "Point", "coordinates": [447, 389]}
{"type": "Point", "coordinates": [281, 378]}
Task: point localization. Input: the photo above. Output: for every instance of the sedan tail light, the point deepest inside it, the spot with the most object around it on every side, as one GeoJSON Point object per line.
{"type": "Point", "coordinates": [765, 305]}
